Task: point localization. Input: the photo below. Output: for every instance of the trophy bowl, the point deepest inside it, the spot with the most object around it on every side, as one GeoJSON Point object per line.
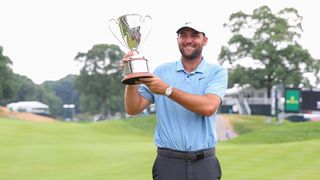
{"type": "Point", "coordinates": [132, 28]}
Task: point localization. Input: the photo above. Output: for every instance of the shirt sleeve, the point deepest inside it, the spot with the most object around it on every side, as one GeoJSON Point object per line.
{"type": "Point", "coordinates": [146, 93]}
{"type": "Point", "coordinates": [218, 83]}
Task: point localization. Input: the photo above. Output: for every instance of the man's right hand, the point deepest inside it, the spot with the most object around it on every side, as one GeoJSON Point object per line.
{"type": "Point", "coordinates": [125, 58]}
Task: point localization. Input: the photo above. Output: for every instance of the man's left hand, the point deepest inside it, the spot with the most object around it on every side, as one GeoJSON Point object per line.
{"type": "Point", "coordinates": [155, 84]}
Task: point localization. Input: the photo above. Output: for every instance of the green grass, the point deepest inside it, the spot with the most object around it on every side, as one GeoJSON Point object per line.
{"type": "Point", "coordinates": [253, 129]}
{"type": "Point", "coordinates": [106, 150]}
{"type": "Point", "coordinates": [289, 151]}
{"type": "Point", "coordinates": [124, 149]}
{"type": "Point", "coordinates": [285, 161]}
{"type": "Point", "coordinates": [145, 124]}
{"type": "Point", "coordinates": [246, 124]}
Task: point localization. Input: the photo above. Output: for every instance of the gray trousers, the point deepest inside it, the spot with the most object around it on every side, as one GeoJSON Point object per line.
{"type": "Point", "coordinates": [179, 165]}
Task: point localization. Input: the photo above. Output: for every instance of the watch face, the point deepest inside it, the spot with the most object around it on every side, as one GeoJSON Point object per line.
{"type": "Point", "coordinates": [169, 91]}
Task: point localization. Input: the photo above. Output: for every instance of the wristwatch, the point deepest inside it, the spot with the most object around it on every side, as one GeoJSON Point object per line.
{"type": "Point", "coordinates": [168, 91]}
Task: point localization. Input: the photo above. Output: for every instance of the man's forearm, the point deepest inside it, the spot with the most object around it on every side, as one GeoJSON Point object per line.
{"type": "Point", "coordinates": [202, 104]}
{"type": "Point", "coordinates": [132, 99]}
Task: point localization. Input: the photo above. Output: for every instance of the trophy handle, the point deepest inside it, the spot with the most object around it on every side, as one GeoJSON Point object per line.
{"type": "Point", "coordinates": [109, 26]}
{"type": "Point", "coordinates": [146, 19]}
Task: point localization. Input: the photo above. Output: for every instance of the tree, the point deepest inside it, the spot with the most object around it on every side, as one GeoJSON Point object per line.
{"type": "Point", "coordinates": [99, 81]}
{"type": "Point", "coordinates": [269, 40]}
{"type": "Point", "coordinates": [26, 90]}
{"type": "Point", "coordinates": [6, 83]}
{"type": "Point", "coordinates": [14, 87]}
{"type": "Point", "coordinates": [65, 89]}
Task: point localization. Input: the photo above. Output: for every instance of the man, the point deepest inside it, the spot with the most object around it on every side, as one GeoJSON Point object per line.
{"type": "Point", "coordinates": [187, 94]}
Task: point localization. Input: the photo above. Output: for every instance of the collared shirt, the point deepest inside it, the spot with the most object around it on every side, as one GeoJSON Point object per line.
{"type": "Point", "coordinates": [177, 127]}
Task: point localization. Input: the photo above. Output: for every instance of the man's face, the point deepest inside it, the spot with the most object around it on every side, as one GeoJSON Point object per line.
{"type": "Point", "coordinates": [191, 43]}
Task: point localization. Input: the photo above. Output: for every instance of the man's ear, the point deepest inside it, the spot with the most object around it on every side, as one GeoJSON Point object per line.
{"type": "Point", "coordinates": [205, 40]}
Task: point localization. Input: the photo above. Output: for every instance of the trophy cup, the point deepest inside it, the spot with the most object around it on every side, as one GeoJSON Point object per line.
{"type": "Point", "coordinates": [132, 27]}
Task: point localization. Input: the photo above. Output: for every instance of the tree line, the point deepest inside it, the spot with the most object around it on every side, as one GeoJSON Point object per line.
{"type": "Point", "coordinates": [96, 90]}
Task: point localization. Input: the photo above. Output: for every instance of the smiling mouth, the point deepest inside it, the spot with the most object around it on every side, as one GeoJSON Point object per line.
{"type": "Point", "coordinates": [189, 47]}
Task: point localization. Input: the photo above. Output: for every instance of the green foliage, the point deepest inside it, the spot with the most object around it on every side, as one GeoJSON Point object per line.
{"type": "Point", "coordinates": [65, 89]}
{"type": "Point", "coordinates": [25, 90]}
{"type": "Point", "coordinates": [244, 75]}
{"type": "Point", "coordinates": [14, 87]}
{"type": "Point", "coordinates": [99, 81]}
{"type": "Point", "coordinates": [6, 82]}
{"type": "Point", "coordinates": [269, 40]}
{"type": "Point", "coordinates": [66, 92]}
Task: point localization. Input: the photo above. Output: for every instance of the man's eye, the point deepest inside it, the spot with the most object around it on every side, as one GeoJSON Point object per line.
{"type": "Point", "coordinates": [183, 35]}
{"type": "Point", "coordinates": [195, 35]}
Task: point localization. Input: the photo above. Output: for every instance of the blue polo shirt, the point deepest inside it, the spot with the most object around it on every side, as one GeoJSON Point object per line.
{"type": "Point", "coordinates": [176, 127]}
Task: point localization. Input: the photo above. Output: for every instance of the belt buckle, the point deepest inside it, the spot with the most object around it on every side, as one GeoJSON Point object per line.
{"type": "Point", "coordinates": [199, 155]}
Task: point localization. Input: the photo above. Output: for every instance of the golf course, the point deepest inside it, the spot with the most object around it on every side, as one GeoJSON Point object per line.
{"type": "Point", "coordinates": [124, 150]}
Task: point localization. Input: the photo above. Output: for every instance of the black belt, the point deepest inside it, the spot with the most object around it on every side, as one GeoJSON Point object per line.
{"type": "Point", "coordinates": [188, 156]}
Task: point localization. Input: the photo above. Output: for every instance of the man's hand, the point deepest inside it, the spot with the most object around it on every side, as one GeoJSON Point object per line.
{"type": "Point", "coordinates": [155, 84]}
{"type": "Point", "coordinates": [125, 58]}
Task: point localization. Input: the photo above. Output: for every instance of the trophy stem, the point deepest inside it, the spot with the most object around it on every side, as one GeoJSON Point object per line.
{"type": "Point", "coordinates": [135, 53]}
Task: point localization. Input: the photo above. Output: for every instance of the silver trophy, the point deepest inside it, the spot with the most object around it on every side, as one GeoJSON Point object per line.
{"type": "Point", "coordinates": [133, 29]}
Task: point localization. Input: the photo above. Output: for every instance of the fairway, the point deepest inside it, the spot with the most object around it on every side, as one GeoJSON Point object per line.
{"type": "Point", "coordinates": [124, 149]}
{"type": "Point", "coordinates": [107, 150]}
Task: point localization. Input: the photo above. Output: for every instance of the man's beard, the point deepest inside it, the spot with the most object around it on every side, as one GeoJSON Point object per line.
{"type": "Point", "coordinates": [196, 53]}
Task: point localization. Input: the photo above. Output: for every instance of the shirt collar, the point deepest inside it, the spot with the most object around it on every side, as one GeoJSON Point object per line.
{"type": "Point", "coordinates": [200, 69]}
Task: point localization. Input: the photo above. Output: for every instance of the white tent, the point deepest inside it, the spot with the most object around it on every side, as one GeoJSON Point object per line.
{"type": "Point", "coordinates": [29, 106]}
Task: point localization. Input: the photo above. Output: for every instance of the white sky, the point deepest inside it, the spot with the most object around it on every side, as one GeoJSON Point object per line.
{"type": "Point", "coordinates": [42, 37]}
